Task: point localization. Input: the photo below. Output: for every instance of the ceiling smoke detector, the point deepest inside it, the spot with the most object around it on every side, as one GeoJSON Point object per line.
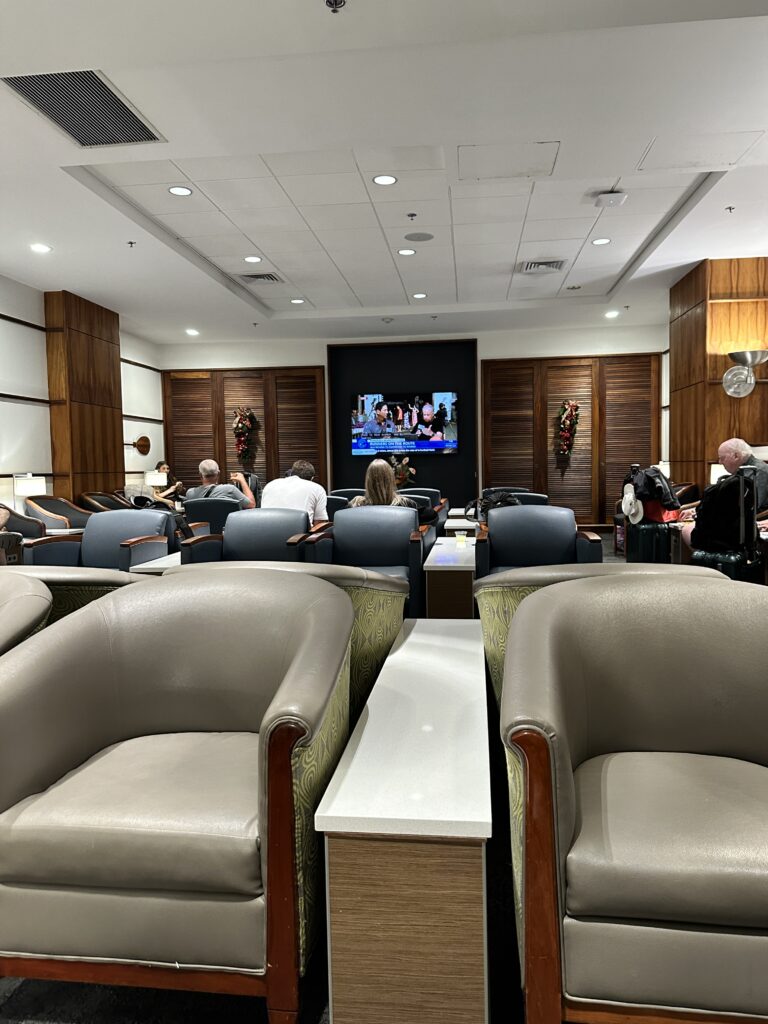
{"type": "Point", "coordinates": [419, 236]}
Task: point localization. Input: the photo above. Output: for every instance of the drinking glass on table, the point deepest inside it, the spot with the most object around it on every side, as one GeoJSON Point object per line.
{"type": "Point", "coordinates": [461, 538]}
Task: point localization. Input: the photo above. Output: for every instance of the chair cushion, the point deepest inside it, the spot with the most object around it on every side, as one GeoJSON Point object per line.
{"type": "Point", "coordinates": [172, 812]}
{"type": "Point", "coordinates": [670, 837]}
{"type": "Point", "coordinates": [398, 571]}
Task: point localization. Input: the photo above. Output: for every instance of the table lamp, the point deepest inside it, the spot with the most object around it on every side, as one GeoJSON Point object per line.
{"type": "Point", "coordinates": [24, 486]}
{"type": "Point", "coordinates": [154, 479]}
{"type": "Point", "coordinates": [716, 471]}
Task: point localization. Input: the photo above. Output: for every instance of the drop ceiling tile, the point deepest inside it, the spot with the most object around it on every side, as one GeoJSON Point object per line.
{"type": "Point", "coordinates": [389, 159]}
{"type": "Point", "coordinates": [489, 209]}
{"type": "Point", "coordinates": [435, 296]}
{"type": "Point", "coordinates": [332, 298]}
{"type": "Point", "coordinates": [618, 253]}
{"type": "Point", "coordinates": [647, 201]}
{"type": "Point", "coordinates": [305, 262]}
{"type": "Point", "coordinates": [142, 172]}
{"type": "Point", "coordinates": [557, 207]}
{"type": "Point", "coordinates": [275, 240]}
{"type": "Point", "coordinates": [428, 211]}
{"type": "Point", "coordinates": [352, 238]}
{"type": "Point", "coordinates": [284, 304]}
{"type": "Point", "coordinates": [377, 297]}
{"type": "Point", "coordinates": [320, 161]}
{"type": "Point", "coordinates": [229, 243]}
{"type": "Point", "coordinates": [397, 240]}
{"type": "Point", "coordinates": [342, 215]}
{"type": "Point", "coordinates": [620, 227]}
{"type": "Point", "coordinates": [487, 234]}
{"type": "Point", "coordinates": [353, 262]}
{"type": "Point", "coordinates": [555, 249]}
{"type": "Point", "coordinates": [483, 289]}
{"type": "Point", "coordinates": [222, 168]}
{"type": "Point", "coordinates": [185, 225]}
{"type": "Point", "coordinates": [535, 287]}
{"type": "Point", "coordinates": [410, 185]}
{"type": "Point", "coordinates": [325, 189]}
{"type": "Point", "coordinates": [156, 199]}
{"type": "Point", "coordinates": [252, 221]}
{"type": "Point", "coordinates": [486, 257]}
{"type": "Point", "coordinates": [483, 189]}
{"type": "Point", "coordinates": [509, 160]}
{"type": "Point", "coordinates": [428, 256]}
{"type": "Point", "coordinates": [710, 151]}
{"type": "Point", "coordinates": [241, 193]}
{"type": "Point", "coordinates": [649, 180]}
{"type": "Point", "coordinates": [548, 230]}
{"type": "Point", "coordinates": [236, 266]}
{"type": "Point", "coordinates": [272, 289]}
{"type": "Point", "coordinates": [591, 280]}
{"type": "Point", "coordinates": [573, 186]}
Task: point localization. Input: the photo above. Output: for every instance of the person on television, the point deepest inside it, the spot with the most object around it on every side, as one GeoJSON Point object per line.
{"type": "Point", "coordinates": [380, 425]}
{"type": "Point", "coordinates": [427, 427]}
{"type": "Point", "coordinates": [440, 418]}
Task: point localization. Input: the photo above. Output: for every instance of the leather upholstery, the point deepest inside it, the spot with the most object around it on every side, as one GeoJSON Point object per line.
{"type": "Point", "coordinates": [57, 508]}
{"type": "Point", "coordinates": [27, 526]}
{"type": "Point", "coordinates": [349, 492]}
{"type": "Point", "coordinates": [338, 575]}
{"type": "Point", "coordinates": [101, 501]}
{"type": "Point", "coordinates": [333, 503]}
{"type": "Point", "coordinates": [213, 511]}
{"type": "Point", "coordinates": [532, 498]}
{"type": "Point", "coordinates": [252, 535]}
{"type": "Point", "coordinates": [489, 492]}
{"type": "Point", "coordinates": [100, 546]}
{"type": "Point", "coordinates": [24, 607]}
{"type": "Point", "coordinates": [435, 498]}
{"type": "Point", "coordinates": [72, 587]}
{"type": "Point", "coordinates": [168, 717]}
{"type": "Point", "coordinates": [660, 775]}
{"type": "Point", "coordinates": [525, 535]}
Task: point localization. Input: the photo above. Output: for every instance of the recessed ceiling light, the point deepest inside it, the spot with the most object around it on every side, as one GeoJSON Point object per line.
{"type": "Point", "coordinates": [192, 332]}
{"type": "Point", "coordinates": [419, 295]}
{"type": "Point", "coordinates": [180, 190]}
{"type": "Point", "coordinates": [600, 241]}
{"type": "Point", "coordinates": [384, 179]}
{"type": "Point", "coordinates": [297, 302]}
{"type": "Point", "coordinates": [40, 247]}
{"type": "Point", "coordinates": [406, 252]}
{"type": "Point", "coordinates": [252, 259]}
{"type": "Point", "coordinates": [611, 314]}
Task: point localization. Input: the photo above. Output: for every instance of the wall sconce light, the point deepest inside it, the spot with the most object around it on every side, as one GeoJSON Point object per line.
{"type": "Point", "coordinates": [25, 486]}
{"type": "Point", "coordinates": [739, 381]}
{"type": "Point", "coordinates": [142, 444]}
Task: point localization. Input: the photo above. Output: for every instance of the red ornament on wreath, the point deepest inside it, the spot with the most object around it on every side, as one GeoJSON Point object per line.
{"type": "Point", "coordinates": [569, 420]}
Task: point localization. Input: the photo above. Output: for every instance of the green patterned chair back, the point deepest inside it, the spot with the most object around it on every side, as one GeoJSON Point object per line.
{"type": "Point", "coordinates": [73, 587]}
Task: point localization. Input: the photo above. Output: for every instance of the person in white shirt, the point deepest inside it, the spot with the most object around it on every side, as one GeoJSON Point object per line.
{"type": "Point", "coordinates": [297, 491]}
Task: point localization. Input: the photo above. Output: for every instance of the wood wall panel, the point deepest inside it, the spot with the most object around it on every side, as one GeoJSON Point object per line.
{"type": "Point", "coordinates": [738, 279]}
{"type": "Point", "coordinates": [687, 348]}
{"type": "Point", "coordinates": [689, 291]}
{"type": "Point", "coordinates": [299, 433]}
{"type": "Point", "coordinates": [246, 388]}
{"type": "Point", "coordinates": [572, 481]}
{"type": "Point", "coordinates": [84, 383]}
{"type": "Point", "coordinates": [189, 424]}
{"type": "Point", "coordinates": [687, 408]}
{"type": "Point", "coordinates": [630, 422]}
{"type": "Point", "coordinates": [735, 327]}
{"type": "Point", "coordinates": [508, 423]}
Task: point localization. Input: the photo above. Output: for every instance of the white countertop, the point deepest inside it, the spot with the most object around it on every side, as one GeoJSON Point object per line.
{"type": "Point", "coordinates": [470, 525]}
{"type": "Point", "coordinates": [456, 513]}
{"type": "Point", "coordinates": [157, 566]}
{"type": "Point", "coordinates": [417, 762]}
{"type": "Point", "coordinates": [446, 553]}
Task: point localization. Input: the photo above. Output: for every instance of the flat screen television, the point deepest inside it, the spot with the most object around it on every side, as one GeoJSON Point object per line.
{"type": "Point", "coordinates": [405, 423]}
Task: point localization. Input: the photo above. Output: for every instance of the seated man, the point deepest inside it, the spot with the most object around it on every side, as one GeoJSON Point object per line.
{"type": "Point", "coordinates": [298, 491]}
{"type": "Point", "coordinates": [427, 426]}
{"type": "Point", "coordinates": [211, 488]}
{"type": "Point", "coordinates": [732, 455]}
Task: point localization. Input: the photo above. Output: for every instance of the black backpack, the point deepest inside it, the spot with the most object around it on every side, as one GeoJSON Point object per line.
{"type": "Point", "coordinates": [725, 518]}
{"type": "Point", "coordinates": [480, 507]}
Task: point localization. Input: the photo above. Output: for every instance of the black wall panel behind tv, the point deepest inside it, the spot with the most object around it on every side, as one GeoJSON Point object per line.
{"type": "Point", "coordinates": [419, 367]}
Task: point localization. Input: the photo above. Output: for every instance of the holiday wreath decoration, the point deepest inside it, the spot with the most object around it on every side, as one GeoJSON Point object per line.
{"type": "Point", "coordinates": [569, 420]}
{"type": "Point", "coordinates": [404, 473]}
{"type": "Point", "coordinates": [246, 428]}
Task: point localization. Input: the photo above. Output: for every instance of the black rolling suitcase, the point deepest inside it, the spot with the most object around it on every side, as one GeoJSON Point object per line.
{"type": "Point", "coordinates": [647, 542]}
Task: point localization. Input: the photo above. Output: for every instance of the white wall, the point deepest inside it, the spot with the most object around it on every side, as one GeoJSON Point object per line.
{"type": "Point", "coordinates": [142, 405]}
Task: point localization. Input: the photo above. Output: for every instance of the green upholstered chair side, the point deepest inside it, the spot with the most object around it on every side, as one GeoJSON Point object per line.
{"type": "Point", "coordinates": [497, 606]}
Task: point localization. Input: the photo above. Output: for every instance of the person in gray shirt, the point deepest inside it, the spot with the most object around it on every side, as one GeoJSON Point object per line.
{"type": "Point", "coordinates": [380, 424]}
{"type": "Point", "coordinates": [211, 488]}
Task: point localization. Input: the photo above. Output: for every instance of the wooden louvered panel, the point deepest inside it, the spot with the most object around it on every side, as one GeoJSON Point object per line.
{"type": "Point", "coordinates": [189, 424]}
{"type": "Point", "coordinates": [630, 408]}
{"type": "Point", "coordinates": [244, 387]}
{"type": "Point", "coordinates": [570, 480]}
{"type": "Point", "coordinates": [508, 424]}
{"type": "Point", "coordinates": [300, 418]}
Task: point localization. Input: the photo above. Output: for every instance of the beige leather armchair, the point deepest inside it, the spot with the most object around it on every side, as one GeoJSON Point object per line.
{"type": "Point", "coordinates": [633, 714]}
{"type": "Point", "coordinates": [72, 586]}
{"type": "Point", "coordinates": [162, 753]}
{"type": "Point", "coordinates": [25, 605]}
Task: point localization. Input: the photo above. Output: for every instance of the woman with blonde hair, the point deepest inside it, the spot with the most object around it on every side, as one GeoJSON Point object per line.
{"type": "Point", "coordinates": [380, 490]}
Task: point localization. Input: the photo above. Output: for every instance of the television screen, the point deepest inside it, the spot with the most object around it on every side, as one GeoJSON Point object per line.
{"type": "Point", "coordinates": [402, 422]}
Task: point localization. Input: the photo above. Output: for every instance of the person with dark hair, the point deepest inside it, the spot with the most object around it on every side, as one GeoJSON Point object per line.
{"type": "Point", "coordinates": [380, 490]}
{"type": "Point", "coordinates": [172, 488]}
{"type": "Point", "coordinates": [298, 490]}
{"type": "Point", "coordinates": [380, 424]}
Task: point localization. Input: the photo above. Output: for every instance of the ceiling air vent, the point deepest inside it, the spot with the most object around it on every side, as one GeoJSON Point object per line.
{"type": "Point", "coordinates": [261, 279]}
{"type": "Point", "coordinates": [86, 106]}
{"type": "Point", "coordinates": [541, 266]}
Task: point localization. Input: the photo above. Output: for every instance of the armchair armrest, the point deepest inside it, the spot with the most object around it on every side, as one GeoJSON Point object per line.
{"type": "Point", "coordinates": [589, 547]}
{"type": "Point", "coordinates": [137, 550]}
{"type": "Point", "coordinates": [200, 529]}
{"type": "Point", "coordinates": [50, 519]}
{"type": "Point", "coordinates": [482, 553]}
{"type": "Point", "coordinates": [317, 530]}
{"type": "Point", "coordinates": [52, 551]}
{"type": "Point", "coordinates": [206, 547]}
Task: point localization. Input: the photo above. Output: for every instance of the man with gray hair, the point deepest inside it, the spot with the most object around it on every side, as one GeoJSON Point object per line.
{"type": "Point", "coordinates": [211, 488]}
{"type": "Point", "coordinates": [732, 455]}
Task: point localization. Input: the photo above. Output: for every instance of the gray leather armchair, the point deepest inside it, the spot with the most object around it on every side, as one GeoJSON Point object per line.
{"type": "Point", "coordinates": [102, 501]}
{"type": "Point", "coordinates": [56, 513]}
{"type": "Point", "coordinates": [384, 538]}
{"type": "Point", "coordinates": [499, 595]}
{"type": "Point", "coordinates": [166, 838]}
{"type": "Point", "coordinates": [213, 511]}
{"type": "Point", "coordinates": [111, 540]}
{"type": "Point", "coordinates": [25, 605]}
{"type": "Point", "coordinates": [15, 522]}
{"type": "Point", "coordinates": [440, 504]}
{"type": "Point", "coordinates": [639, 794]}
{"type": "Point", "coordinates": [349, 492]}
{"type": "Point", "coordinates": [378, 602]}
{"type": "Point", "coordinates": [525, 535]}
{"type": "Point", "coordinates": [253, 534]}
{"type": "Point", "coordinates": [72, 587]}
{"type": "Point", "coordinates": [334, 503]}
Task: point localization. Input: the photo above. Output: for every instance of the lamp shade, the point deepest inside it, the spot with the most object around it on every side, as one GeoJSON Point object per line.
{"type": "Point", "coordinates": [716, 471]}
{"type": "Point", "coordinates": [154, 479]}
{"type": "Point", "coordinates": [664, 467]}
{"type": "Point", "coordinates": [26, 485]}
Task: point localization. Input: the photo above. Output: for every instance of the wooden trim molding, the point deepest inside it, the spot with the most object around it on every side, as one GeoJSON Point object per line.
{"type": "Point", "coordinates": [143, 366]}
{"type": "Point", "coordinates": [143, 419]}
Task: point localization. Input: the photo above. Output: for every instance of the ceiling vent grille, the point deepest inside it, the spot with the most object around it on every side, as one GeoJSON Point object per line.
{"type": "Point", "coordinates": [85, 106]}
{"type": "Point", "coordinates": [541, 266]}
{"type": "Point", "coordinates": [261, 279]}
